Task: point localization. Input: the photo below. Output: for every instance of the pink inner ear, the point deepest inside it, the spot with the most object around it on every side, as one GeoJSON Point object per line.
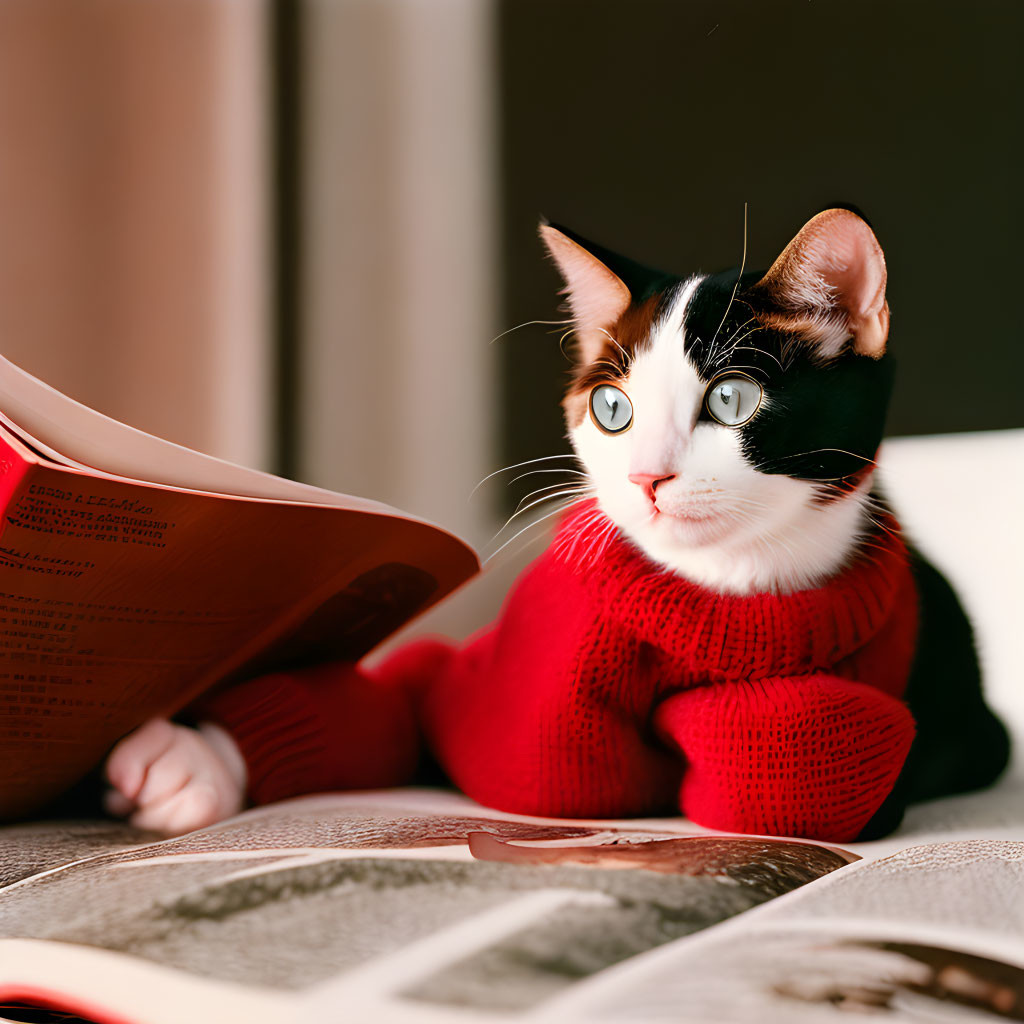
{"type": "Point", "coordinates": [852, 264]}
{"type": "Point", "coordinates": [597, 297]}
{"type": "Point", "coordinates": [835, 263]}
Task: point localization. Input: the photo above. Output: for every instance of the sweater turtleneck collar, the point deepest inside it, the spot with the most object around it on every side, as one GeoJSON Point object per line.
{"type": "Point", "coordinates": [803, 630]}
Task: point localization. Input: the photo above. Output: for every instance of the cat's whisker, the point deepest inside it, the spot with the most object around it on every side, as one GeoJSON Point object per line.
{"type": "Point", "coordinates": [732, 511]}
{"type": "Point", "coordinates": [526, 323]}
{"type": "Point", "coordinates": [532, 472]}
{"type": "Point", "coordinates": [580, 491]}
{"type": "Point", "coordinates": [872, 504]}
{"type": "Point", "coordinates": [753, 330]}
{"type": "Point", "coordinates": [739, 277]}
{"type": "Point", "coordinates": [604, 537]}
{"type": "Point", "coordinates": [869, 545]}
{"type": "Point", "coordinates": [873, 514]}
{"type": "Point", "coordinates": [751, 502]}
{"type": "Point", "coordinates": [550, 498]}
{"type": "Point", "coordinates": [760, 351]}
{"type": "Point", "coordinates": [882, 526]}
{"type": "Point", "coordinates": [814, 451]}
{"type": "Point", "coordinates": [741, 510]}
{"type": "Point", "coordinates": [840, 481]}
{"type": "Point", "coordinates": [540, 490]}
{"type": "Point", "coordinates": [878, 502]}
{"type": "Point", "coordinates": [530, 525]}
{"type": "Point", "coordinates": [519, 465]}
{"type": "Point", "coordinates": [561, 343]}
{"type": "Point", "coordinates": [744, 500]}
{"type": "Point", "coordinates": [596, 530]}
{"type": "Point", "coordinates": [625, 354]}
{"type": "Point", "coordinates": [732, 337]}
{"type": "Point", "coordinates": [538, 494]}
{"type": "Point", "coordinates": [742, 517]}
{"type": "Point", "coordinates": [770, 537]}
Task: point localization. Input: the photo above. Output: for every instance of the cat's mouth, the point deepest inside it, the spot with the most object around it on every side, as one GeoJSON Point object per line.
{"type": "Point", "coordinates": [686, 514]}
{"type": "Point", "coordinates": [691, 513]}
{"type": "Point", "coordinates": [688, 509]}
{"type": "Point", "coordinates": [689, 526]}
{"type": "Point", "coordinates": [689, 521]}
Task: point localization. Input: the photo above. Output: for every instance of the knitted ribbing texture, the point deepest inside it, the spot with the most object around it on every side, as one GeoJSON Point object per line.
{"type": "Point", "coordinates": [612, 687]}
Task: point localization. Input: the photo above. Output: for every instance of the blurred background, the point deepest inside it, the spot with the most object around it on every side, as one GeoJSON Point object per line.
{"type": "Point", "coordinates": [286, 233]}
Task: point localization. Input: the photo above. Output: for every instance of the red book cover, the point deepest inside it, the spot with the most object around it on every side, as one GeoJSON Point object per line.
{"type": "Point", "coordinates": [125, 597]}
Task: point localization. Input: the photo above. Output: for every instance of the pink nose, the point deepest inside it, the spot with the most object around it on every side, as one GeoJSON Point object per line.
{"type": "Point", "coordinates": [649, 481]}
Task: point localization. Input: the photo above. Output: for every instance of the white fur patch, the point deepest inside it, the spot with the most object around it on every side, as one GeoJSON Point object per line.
{"type": "Point", "coordinates": [717, 521]}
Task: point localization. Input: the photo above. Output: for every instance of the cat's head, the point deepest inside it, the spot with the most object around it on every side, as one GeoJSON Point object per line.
{"type": "Point", "coordinates": [729, 422]}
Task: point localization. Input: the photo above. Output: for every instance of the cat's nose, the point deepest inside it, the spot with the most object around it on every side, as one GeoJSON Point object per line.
{"type": "Point", "coordinates": [648, 482]}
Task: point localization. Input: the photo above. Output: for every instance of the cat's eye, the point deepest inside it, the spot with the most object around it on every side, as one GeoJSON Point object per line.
{"type": "Point", "coordinates": [611, 410]}
{"type": "Point", "coordinates": [732, 400]}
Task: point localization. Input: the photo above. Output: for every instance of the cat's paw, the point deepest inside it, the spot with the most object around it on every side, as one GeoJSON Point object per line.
{"type": "Point", "coordinates": [172, 779]}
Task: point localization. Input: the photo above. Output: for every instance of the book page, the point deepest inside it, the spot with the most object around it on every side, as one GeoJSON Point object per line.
{"type": "Point", "coordinates": [930, 933]}
{"type": "Point", "coordinates": [32, 848]}
{"type": "Point", "coordinates": [421, 906]}
{"type": "Point", "coordinates": [67, 432]}
{"type": "Point", "coordinates": [120, 602]}
{"type": "Point", "coordinates": [407, 898]}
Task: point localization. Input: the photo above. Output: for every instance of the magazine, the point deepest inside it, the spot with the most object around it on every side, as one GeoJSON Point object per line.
{"type": "Point", "coordinates": [420, 906]}
{"type": "Point", "coordinates": [136, 574]}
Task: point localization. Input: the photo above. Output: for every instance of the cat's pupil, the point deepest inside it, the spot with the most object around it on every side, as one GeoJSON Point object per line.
{"type": "Point", "coordinates": [611, 409]}
{"type": "Point", "coordinates": [734, 401]}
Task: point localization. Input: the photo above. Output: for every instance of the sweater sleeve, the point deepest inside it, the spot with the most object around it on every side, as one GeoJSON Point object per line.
{"type": "Point", "coordinates": [813, 756]}
{"type": "Point", "coordinates": [329, 727]}
{"type": "Point", "coordinates": [349, 726]}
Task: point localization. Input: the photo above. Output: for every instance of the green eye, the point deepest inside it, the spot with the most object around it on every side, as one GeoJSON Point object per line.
{"type": "Point", "coordinates": [733, 400]}
{"type": "Point", "coordinates": [611, 410]}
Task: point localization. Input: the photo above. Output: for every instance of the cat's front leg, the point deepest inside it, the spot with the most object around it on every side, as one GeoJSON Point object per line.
{"type": "Point", "coordinates": [811, 756]}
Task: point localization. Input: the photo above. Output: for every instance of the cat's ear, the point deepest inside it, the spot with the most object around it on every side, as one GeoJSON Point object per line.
{"type": "Point", "coordinates": [597, 295]}
{"type": "Point", "coordinates": [829, 283]}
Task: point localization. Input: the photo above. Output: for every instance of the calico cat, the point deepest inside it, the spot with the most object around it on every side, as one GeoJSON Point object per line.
{"type": "Point", "coordinates": [732, 627]}
{"type": "Point", "coordinates": [760, 432]}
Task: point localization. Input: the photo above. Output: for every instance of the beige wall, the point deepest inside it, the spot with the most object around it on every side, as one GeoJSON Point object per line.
{"type": "Point", "coordinates": [133, 192]}
{"type": "Point", "coordinates": [400, 264]}
{"type": "Point", "coordinates": [134, 237]}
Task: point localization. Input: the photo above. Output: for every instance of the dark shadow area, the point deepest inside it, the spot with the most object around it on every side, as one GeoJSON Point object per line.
{"type": "Point", "coordinates": [646, 126]}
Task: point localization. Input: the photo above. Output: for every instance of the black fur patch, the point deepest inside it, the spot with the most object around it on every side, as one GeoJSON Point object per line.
{"type": "Point", "coordinates": [723, 334]}
{"type": "Point", "coordinates": [820, 421]}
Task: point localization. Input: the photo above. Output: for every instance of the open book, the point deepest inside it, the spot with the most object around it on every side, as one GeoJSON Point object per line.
{"type": "Point", "coordinates": [136, 574]}
{"type": "Point", "coordinates": [422, 907]}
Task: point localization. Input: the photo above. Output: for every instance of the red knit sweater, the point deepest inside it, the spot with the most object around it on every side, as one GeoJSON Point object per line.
{"type": "Point", "coordinates": [611, 687]}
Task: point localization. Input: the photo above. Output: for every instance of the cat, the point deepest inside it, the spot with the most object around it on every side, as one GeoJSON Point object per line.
{"type": "Point", "coordinates": [772, 491]}
{"type": "Point", "coordinates": [732, 625]}
{"type": "Point", "coordinates": [785, 497]}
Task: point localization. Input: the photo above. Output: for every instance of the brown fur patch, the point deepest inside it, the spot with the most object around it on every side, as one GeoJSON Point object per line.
{"type": "Point", "coordinates": [630, 333]}
{"type": "Point", "coordinates": [819, 336]}
{"type": "Point", "coordinates": [575, 406]}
